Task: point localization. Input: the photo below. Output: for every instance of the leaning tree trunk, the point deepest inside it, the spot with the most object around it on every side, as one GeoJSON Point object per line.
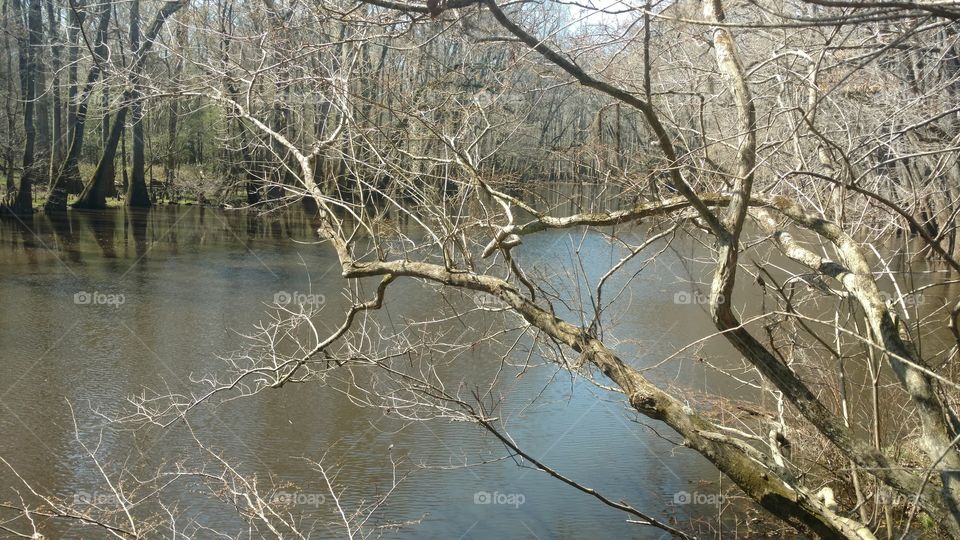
{"type": "Point", "coordinates": [69, 174]}
{"type": "Point", "coordinates": [137, 195]}
{"type": "Point", "coordinates": [95, 191]}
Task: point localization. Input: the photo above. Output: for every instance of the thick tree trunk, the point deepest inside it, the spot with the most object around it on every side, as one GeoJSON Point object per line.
{"type": "Point", "coordinates": [96, 191]}
{"type": "Point", "coordinates": [137, 195]}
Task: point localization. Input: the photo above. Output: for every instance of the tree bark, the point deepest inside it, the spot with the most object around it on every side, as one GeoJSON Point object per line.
{"type": "Point", "coordinates": [76, 19]}
{"type": "Point", "coordinates": [30, 48]}
{"type": "Point", "coordinates": [137, 195]}
{"type": "Point", "coordinates": [41, 118]}
{"type": "Point", "coordinates": [173, 114]}
{"type": "Point", "coordinates": [109, 170]}
{"type": "Point", "coordinates": [10, 109]}
{"type": "Point", "coordinates": [56, 61]}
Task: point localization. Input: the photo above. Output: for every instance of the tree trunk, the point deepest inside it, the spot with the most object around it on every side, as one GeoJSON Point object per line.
{"type": "Point", "coordinates": [10, 107]}
{"type": "Point", "coordinates": [23, 204]}
{"type": "Point", "coordinates": [173, 111]}
{"type": "Point", "coordinates": [109, 170]}
{"type": "Point", "coordinates": [137, 195]}
{"type": "Point", "coordinates": [77, 17]}
{"type": "Point", "coordinates": [96, 191]}
{"type": "Point", "coordinates": [124, 174]}
{"type": "Point", "coordinates": [41, 96]}
{"type": "Point", "coordinates": [56, 60]}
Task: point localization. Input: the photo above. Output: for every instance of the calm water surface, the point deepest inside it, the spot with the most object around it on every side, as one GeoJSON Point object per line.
{"type": "Point", "coordinates": [193, 278]}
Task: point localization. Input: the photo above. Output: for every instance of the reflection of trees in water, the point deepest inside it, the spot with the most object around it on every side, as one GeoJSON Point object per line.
{"type": "Point", "coordinates": [65, 228]}
{"type": "Point", "coordinates": [25, 225]}
{"type": "Point", "coordinates": [137, 223]}
{"type": "Point", "coordinates": [167, 229]}
{"type": "Point", "coordinates": [103, 227]}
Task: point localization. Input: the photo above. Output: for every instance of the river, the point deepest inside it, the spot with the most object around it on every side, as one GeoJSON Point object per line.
{"type": "Point", "coordinates": [99, 306]}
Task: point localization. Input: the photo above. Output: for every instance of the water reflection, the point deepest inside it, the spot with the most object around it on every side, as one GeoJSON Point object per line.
{"type": "Point", "coordinates": [190, 276]}
{"type": "Point", "coordinates": [63, 227]}
{"type": "Point", "coordinates": [168, 230]}
{"type": "Point", "coordinates": [137, 228]}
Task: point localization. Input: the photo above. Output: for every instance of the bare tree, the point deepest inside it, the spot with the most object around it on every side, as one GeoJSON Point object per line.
{"type": "Point", "coordinates": [789, 139]}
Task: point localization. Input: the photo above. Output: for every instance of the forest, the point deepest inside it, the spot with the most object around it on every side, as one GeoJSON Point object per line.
{"type": "Point", "coordinates": [780, 178]}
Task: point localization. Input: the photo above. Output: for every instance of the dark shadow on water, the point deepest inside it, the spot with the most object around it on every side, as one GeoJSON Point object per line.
{"type": "Point", "coordinates": [136, 223]}
{"type": "Point", "coordinates": [64, 227]}
{"type": "Point", "coordinates": [104, 227]}
{"type": "Point", "coordinates": [74, 237]}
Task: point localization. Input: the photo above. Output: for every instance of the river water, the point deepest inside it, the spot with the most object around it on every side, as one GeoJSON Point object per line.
{"type": "Point", "coordinates": [100, 306]}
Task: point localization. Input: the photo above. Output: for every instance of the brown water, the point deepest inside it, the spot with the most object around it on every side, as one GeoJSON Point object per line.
{"type": "Point", "coordinates": [191, 278]}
